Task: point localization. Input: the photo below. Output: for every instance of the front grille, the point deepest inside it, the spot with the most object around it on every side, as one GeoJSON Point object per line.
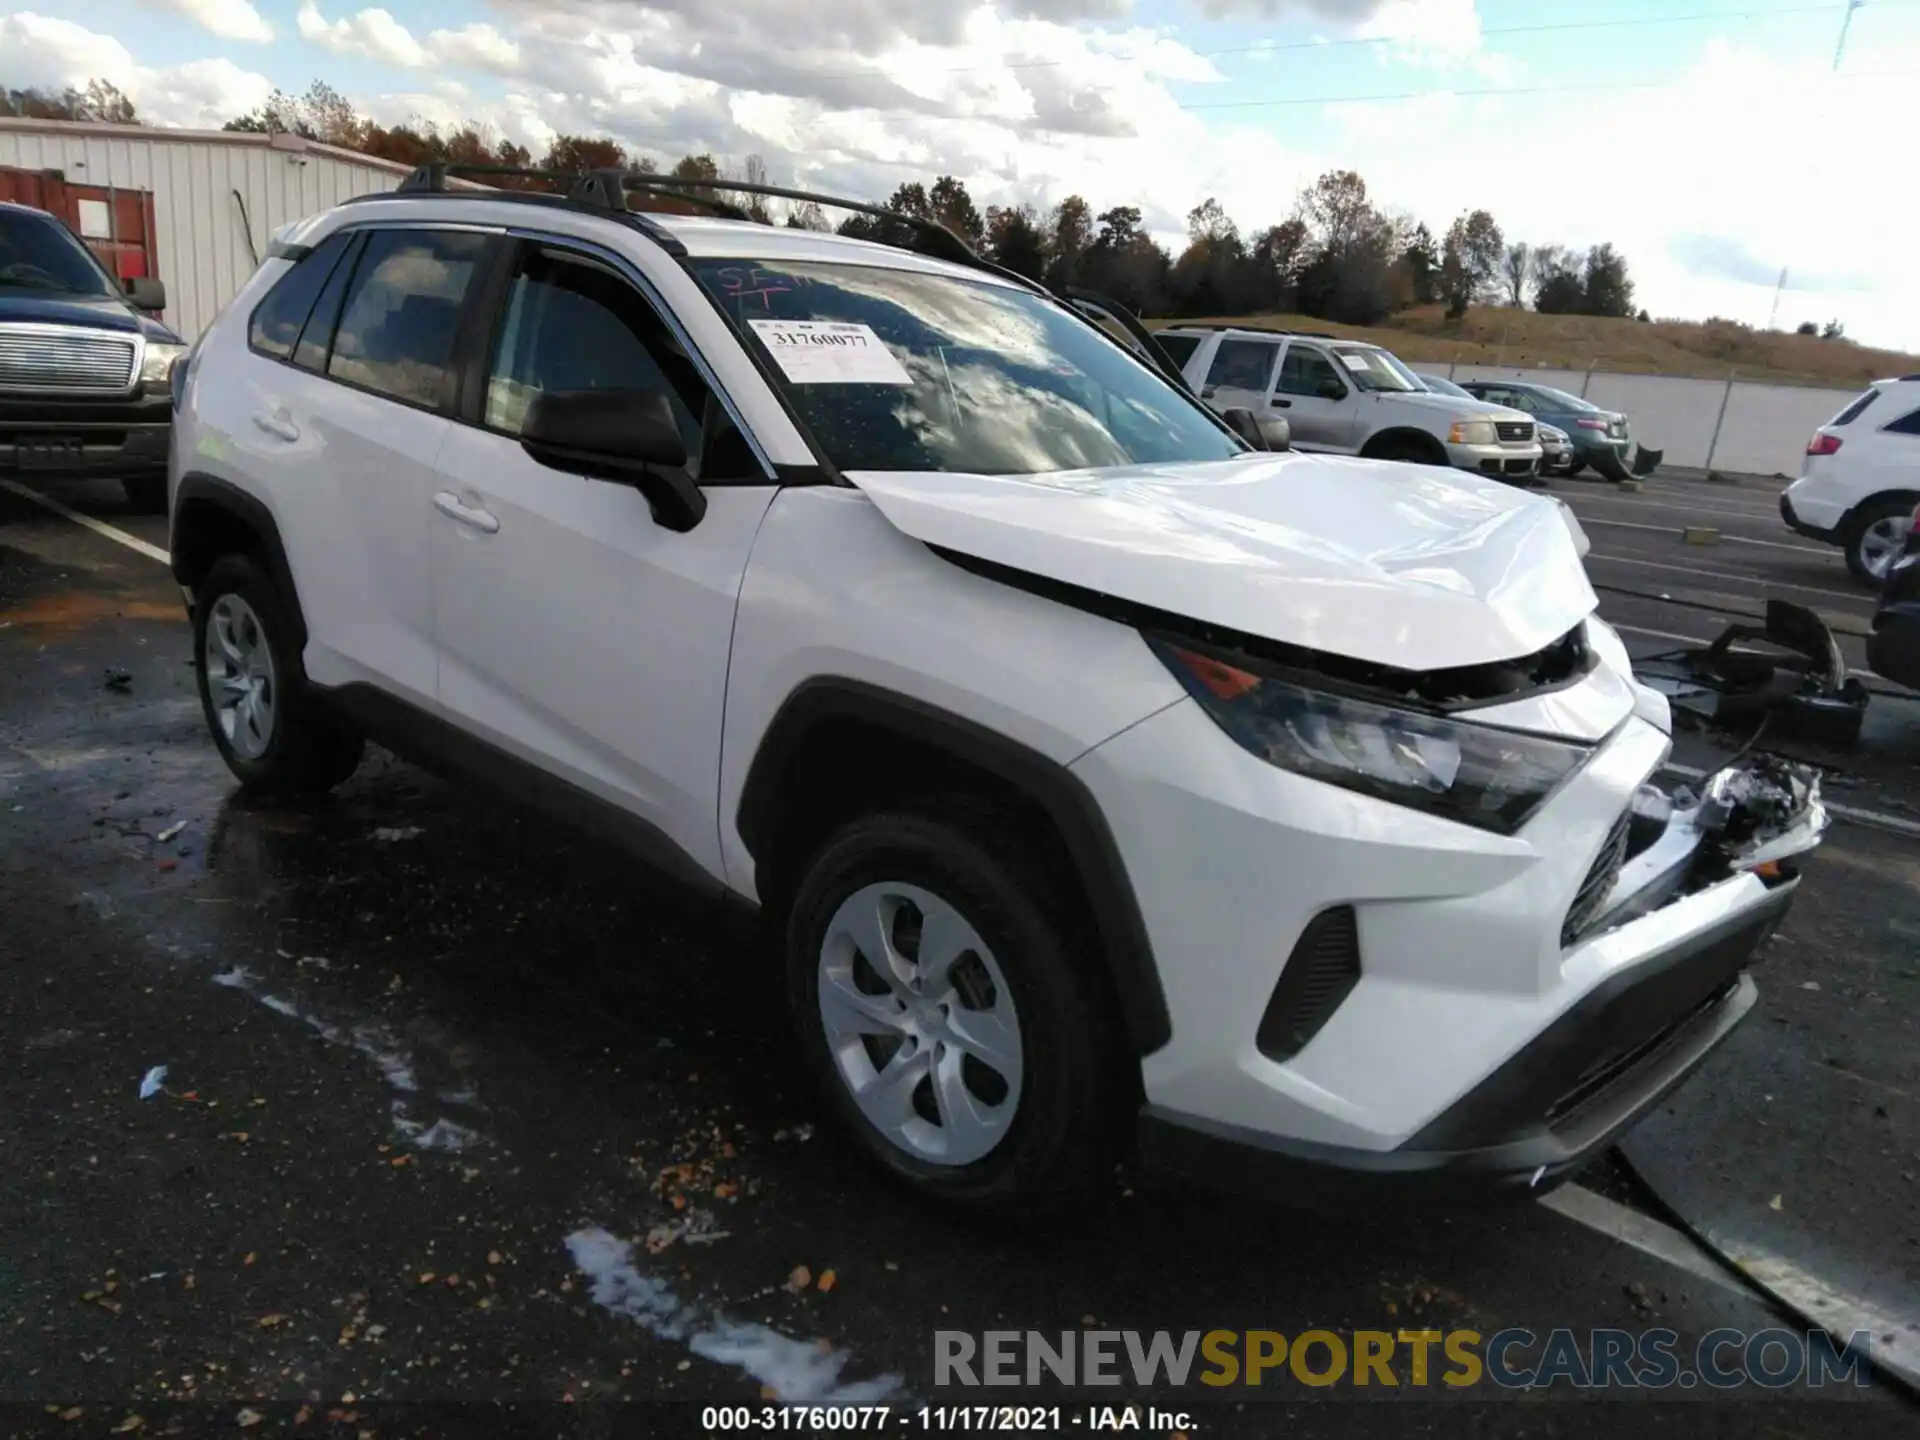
{"type": "Point", "coordinates": [1323, 968]}
{"type": "Point", "coordinates": [1594, 890]}
{"type": "Point", "coordinates": [1513, 432]}
{"type": "Point", "coordinates": [56, 359]}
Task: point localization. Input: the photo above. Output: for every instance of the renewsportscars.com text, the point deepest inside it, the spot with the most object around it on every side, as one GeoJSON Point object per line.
{"type": "Point", "coordinates": [1513, 1359]}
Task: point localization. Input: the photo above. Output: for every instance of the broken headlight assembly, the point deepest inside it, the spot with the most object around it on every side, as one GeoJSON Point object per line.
{"type": "Point", "coordinates": [1477, 774]}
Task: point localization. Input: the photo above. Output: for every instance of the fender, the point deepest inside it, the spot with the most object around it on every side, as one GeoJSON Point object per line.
{"type": "Point", "coordinates": [1123, 943]}
{"type": "Point", "coordinates": [196, 495]}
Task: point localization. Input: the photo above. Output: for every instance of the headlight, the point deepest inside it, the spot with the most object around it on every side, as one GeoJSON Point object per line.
{"type": "Point", "coordinates": [157, 368]}
{"type": "Point", "coordinates": [1479, 775]}
{"type": "Point", "coordinates": [1472, 432]}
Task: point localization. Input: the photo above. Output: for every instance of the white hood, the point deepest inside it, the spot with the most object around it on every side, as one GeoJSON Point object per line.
{"type": "Point", "coordinates": [1412, 566]}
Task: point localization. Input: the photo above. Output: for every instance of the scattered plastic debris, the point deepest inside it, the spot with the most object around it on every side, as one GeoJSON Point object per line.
{"type": "Point", "coordinates": [155, 1081]}
{"type": "Point", "coordinates": [387, 834]}
{"type": "Point", "coordinates": [1774, 1204]}
{"type": "Point", "coordinates": [170, 832]}
{"type": "Point", "coordinates": [120, 681]}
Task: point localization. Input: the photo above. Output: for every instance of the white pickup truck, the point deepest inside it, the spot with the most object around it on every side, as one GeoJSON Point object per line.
{"type": "Point", "coordinates": [1344, 397]}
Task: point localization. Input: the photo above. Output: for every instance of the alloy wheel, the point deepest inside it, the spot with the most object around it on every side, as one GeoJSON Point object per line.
{"type": "Point", "coordinates": [241, 683]}
{"type": "Point", "coordinates": [1880, 542]}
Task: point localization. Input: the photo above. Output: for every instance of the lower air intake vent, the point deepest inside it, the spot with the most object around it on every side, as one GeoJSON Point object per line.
{"type": "Point", "coordinates": [1323, 969]}
{"type": "Point", "coordinates": [1598, 885]}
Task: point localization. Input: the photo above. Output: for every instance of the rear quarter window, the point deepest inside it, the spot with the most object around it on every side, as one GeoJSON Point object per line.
{"type": "Point", "coordinates": [1856, 407]}
{"type": "Point", "coordinates": [1907, 424]}
{"type": "Point", "coordinates": [278, 319]}
{"type": "Point", "coordinates": [1180, 347]}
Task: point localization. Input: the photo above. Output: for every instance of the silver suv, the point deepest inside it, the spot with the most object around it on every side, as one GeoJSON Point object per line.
{"type": "Point", "coordinates": [1344, 397]}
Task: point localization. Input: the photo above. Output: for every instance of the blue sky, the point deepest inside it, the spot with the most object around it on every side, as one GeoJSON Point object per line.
{"type": "Point", "coordinates": [1712, 150]}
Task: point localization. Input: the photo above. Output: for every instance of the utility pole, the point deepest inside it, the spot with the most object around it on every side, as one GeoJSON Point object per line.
{"type": "Point", "coordinates": [1773, 315]}
{"type": "Point", "coordinates": [1846, 23]}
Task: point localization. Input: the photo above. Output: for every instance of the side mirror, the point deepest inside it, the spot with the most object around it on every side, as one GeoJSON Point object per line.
{"type": "Point", "coordinates": [145, 293]}
{"type": "Point", "coordinates": [1274, 434]}
{"type": "Point", "coordinates": [1331, 390]}
{"type": "Point", "coordinates": [626, 436]}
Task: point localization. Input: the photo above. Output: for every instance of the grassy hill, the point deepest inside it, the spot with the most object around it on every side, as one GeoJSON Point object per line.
{"type": "Point", "coordinates": [1424, 336]}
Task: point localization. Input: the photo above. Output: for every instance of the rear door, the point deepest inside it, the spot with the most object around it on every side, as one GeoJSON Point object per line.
{"type": "Point", "coordinates": [1320, 403]}
{"type": "Point", "coordinates": [1241, 376]}
{"type": "Point", "coordinates": [576, 634]}
{"type": "Point", "coordinates": [344, 427]}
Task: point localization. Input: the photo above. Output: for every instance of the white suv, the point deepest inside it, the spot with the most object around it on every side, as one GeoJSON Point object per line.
{"type": "Point", "coordinates": [1104, 779]}
{"type": "Point", "coordinates": [1343, 397]}
{"type": "Point", "coordinates": [1860, 479]}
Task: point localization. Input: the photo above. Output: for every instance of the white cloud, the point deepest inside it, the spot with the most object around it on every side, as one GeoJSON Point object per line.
{"type": "Point", "coordinates": [372, 33]}
{"type": "Point", "coordinates": [229, 19]}
{"type": "Point", "coordinates": [50, 53]}
{"type": "Point", "coordinates": [375, 34]}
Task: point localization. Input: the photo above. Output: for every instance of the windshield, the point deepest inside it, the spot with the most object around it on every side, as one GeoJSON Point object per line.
{"type": "Point", "coordinates": [1376, 369]}
{"type": "Point", "coordinates": [38, 253]}
{"type": "Point", "coordinates": [1444, 387]}
{"type": "Point", "coordinates": [904, 370]}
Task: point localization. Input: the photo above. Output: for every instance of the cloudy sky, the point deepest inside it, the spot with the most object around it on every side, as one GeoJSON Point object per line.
{"type": "Point", "coordinates": [1708, 139]}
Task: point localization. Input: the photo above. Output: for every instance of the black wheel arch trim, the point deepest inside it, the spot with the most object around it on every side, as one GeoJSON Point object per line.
{"type": "Point", "coordinates": [1412, 435]}
{"type": "Point", "coordinates": [1122, 933]}
{"type": "Point", "coordinates": [197, 489]}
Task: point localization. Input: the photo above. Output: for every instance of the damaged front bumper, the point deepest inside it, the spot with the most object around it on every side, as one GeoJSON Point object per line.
{"type": "Point", "coordinates": [1690, 886]}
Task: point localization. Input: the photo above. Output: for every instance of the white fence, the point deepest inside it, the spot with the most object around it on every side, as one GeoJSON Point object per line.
{"type": "Point", "coordinates": [1734, 425]}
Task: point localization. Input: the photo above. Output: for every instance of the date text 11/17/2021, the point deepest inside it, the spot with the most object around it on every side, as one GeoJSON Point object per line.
{"type": "Point", "coordinates": [938, 1419]}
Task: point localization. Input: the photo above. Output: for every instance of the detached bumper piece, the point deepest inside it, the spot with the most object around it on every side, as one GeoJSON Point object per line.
{"type": "Point", "coordinates": [1805, 692]}
{"type": "Point", "coordinates": [1585, 1079]}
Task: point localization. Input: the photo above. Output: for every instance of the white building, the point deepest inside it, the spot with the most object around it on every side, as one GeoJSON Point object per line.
{"type": "Point", "coordinates": [211, 200]}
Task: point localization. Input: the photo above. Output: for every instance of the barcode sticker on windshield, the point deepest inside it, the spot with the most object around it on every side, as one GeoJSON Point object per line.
{"type": "Point", "coordinates": [829, 352]}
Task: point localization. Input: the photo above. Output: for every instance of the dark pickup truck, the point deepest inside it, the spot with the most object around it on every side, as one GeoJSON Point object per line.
{"type": "Point", "coordinates": [84, 370]}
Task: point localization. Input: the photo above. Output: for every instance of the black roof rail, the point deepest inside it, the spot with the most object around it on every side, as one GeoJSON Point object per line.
{"type": "Point", "coordinates": [1905, 378]}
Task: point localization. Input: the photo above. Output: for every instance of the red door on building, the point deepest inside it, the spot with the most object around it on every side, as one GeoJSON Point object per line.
{"type": "Point", "coordinates": [117, 225]}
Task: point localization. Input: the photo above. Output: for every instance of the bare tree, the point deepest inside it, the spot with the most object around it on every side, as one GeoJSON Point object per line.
{"type": "Point", "coordinates": [1517, 272]}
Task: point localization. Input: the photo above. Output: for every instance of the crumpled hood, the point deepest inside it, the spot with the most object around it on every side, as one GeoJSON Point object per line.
{"type": "Point", "coordinates": [1405, 565]}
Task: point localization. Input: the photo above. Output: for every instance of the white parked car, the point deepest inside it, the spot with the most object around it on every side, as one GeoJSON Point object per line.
{"type": "Point", "coordinates": [1104, 778]}
{"type": "Point", "coordinates": [1342, 397]}
{"type": "Point", "coordinates": [1860, 479]}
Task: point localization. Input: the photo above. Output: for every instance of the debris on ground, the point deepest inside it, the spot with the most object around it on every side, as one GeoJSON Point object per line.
{"type": "Point", "coordinates": [388, 834]}
{"type": "Point", "coordinates": [117, 680]}
{"type": "Point", "coordinates": [154, 1082]}
{"type": "Point", "coordinates": [800, 1279]}
{"type": "Point", "coordinates": [170, 832]}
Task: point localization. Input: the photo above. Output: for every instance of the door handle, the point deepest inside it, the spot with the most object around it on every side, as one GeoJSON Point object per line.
{"type": "Point", "coordinates": [1206, 391]}
{"type": "Point", "coordinates": [278, 425]}
{"type": "Point", "coordinates": [1283, 404]}
{"type": "Point", "coordinates": [449, 505]}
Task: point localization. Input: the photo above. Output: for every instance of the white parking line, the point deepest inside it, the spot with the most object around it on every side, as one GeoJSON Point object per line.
{"type": "Point", "coordinates": [99, 527]}
{"type": "Point", "coordinates": [1644, 1233]}
{"type": "Point", "coordinates": [1725, 539]}
{"type": "Point", "coordinates": [1854, 595]}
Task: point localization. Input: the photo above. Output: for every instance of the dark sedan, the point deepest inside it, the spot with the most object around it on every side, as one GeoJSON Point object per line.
{"type": "Point", "coordinates": [1893, 650]}
{"type": "Point", "coordinates": [1601, 438]}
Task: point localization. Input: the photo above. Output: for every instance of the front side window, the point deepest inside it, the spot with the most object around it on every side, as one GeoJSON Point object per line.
{"type": "Point", "coordinates": [397, 327]}
{"type": "Point", "coordinates": [907, 370]}
{"type": "Point", "coordinates": [1243, 364]}
{"type": "Point", "coordinates": [38, 253]}
{"type": "Point", "coordinates": [1306, 371]}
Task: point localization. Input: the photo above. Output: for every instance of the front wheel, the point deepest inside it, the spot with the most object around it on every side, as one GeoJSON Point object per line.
{"type": "Point", "coordinates": [268, 724]}
{"type": "Point", "coordinates": [940, 1007]}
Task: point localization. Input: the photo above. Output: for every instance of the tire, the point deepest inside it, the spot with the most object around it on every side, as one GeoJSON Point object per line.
{"type": "Point", "coordinates": [1884, 522]}
{"type": "Point", "coordinates": [281, 741]}
{"type": "Point", "coordinates": [1052, 1124]}
{"type": "Point", "coordinates": [146, 493]}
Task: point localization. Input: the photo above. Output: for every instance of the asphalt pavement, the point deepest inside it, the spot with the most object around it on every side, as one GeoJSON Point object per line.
{"type": "Point", "coordinates": [460, 1110]}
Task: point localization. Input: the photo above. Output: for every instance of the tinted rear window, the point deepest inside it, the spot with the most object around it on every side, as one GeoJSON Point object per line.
{"type": "Point", "coordinates": [1907, 424]}
{"type": "Point", "coordinates": [1180, 347]}
{"type": "Point", "coordinates": [1855, 408]}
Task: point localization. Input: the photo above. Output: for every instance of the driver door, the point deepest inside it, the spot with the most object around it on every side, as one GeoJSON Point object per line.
{"type": "Point", "coordinates": [1323, 406]}
{"type": "Point", "coordinates": [577, 635]}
